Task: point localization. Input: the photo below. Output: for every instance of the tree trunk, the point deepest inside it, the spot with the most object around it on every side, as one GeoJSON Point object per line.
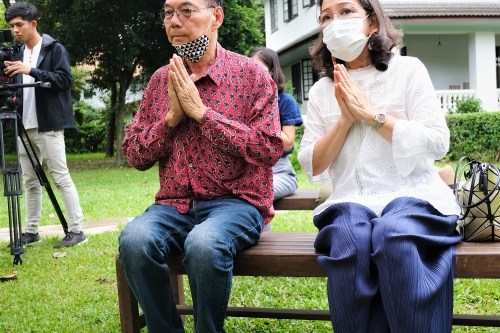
{"type": "Point", "coordinates": [6, 3]}
{"type": "Point", "coordinates": [110, 146]}
{"type": "Point", "coordinates": [125, 81]}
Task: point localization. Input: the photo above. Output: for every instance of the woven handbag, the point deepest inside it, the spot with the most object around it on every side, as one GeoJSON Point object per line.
{"type": "Point", "coordinates": [479, 200]}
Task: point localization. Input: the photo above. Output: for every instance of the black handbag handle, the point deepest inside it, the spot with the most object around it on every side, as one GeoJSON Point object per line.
{"type": "Point", "coordinates": [474, 166]}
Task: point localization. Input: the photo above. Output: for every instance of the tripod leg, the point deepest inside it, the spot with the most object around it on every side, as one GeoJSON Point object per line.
{"type": "Point", "coordinates": [42, 177]}
{"type": "Point", "coordinates": [12, 190]}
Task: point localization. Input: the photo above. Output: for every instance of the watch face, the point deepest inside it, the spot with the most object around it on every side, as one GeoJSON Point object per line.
{"type": "Point", "coordinates": [380, 117]}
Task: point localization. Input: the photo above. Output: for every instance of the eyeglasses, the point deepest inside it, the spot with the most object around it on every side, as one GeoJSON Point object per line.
{"type": "Point", "coordinates": [345, 12]}
{"type": "Point", "coordinates": [183, 13]}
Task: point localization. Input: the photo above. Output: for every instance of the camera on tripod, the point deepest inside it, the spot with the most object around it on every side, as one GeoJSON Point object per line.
{"type": "Point", "coordinates": [9, 98]}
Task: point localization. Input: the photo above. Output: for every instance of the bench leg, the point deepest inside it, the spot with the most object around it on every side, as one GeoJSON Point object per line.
{"type": "Point", "coordinates": [177, 284]}
{"type": "Point", "coordinates": [127, 303]}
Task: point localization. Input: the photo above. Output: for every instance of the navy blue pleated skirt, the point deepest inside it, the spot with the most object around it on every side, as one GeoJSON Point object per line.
{"type": "Point", "coordinates": [388, 274]}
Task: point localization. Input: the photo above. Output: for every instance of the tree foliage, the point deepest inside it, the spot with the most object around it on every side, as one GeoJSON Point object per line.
{"type": "Point", "coordinates": [243, 26]}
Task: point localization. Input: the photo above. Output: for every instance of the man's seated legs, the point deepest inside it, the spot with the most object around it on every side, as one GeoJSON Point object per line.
{"type": "Point", "coordinates": [211, 233]}
{"type": "Point", "coordinates": [143, 245]}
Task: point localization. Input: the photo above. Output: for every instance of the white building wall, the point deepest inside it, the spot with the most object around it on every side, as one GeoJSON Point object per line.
{"type": "Point", "coordinates": [288, 33]}
{"type": "Point", "coordinates": [482, 67]}
{"type": "Point", "coordinates": [448, 63]}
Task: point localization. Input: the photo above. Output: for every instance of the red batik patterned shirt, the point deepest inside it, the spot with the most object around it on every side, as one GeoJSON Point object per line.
{"type": "Point", "coordinates": [229, 154]}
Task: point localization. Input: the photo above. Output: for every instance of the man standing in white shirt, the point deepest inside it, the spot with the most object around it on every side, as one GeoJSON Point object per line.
{"type": "Point", "coordinates": [46, 112]}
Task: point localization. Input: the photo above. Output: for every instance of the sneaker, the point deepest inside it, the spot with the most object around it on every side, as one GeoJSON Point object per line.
{"type": "Point", "coordinates": [72, 238]}
{"type": "Point", "coordinates": [30, 238]}
{"type": "Point", "coordinates": [27, 238]}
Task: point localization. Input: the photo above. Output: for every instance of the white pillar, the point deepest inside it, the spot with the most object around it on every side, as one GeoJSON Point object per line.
{"type": "Point", "coordinates": [482, 68]}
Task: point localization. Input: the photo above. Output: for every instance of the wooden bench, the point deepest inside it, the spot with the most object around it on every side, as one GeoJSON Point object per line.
{"type": "Point", "coordinates": [291, 254]}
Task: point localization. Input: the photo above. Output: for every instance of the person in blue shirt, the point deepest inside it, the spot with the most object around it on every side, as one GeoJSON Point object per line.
{"type": "Point", "coordinates": [284, 176]}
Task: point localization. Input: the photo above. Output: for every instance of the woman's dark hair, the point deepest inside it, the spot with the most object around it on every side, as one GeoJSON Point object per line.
{"type": "Point", "coordinates": [272, 62]}
{"type": "Point", "coordinates": [381, 42]}
{"type": "Point", "coordinates": [26, 11]}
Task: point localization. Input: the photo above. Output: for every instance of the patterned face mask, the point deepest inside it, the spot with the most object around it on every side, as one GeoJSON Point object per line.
{"type": "Point", "coordinates": [194, 50]}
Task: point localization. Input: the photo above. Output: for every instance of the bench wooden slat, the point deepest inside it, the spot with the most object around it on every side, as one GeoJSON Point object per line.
{"type": "Point", "coordinates": [300, 200]}
{"type": "Point", "coordinates": [292, 254]}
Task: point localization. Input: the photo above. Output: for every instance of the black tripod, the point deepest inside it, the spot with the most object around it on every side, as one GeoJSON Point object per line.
{"type": "Point", "coordinates": [11, 176]}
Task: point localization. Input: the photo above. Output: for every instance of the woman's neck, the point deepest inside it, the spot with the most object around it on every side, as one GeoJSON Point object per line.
{"type": "Point", "coordinates": [362, 61]}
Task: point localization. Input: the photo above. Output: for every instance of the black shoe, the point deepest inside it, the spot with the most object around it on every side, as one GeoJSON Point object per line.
{"type": "Point", "coordinates": [27, 238]}
{"type": "Point", "coordinates": [30, 238]}
{"type": "Point", "coordinates": [72, 238]}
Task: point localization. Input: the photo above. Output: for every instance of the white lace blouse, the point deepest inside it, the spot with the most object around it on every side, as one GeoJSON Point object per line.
{"type": "Point", "coordinates": [370, 170]}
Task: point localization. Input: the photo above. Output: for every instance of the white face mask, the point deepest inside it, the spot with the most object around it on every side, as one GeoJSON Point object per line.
{"type": "Point", "coordinates": [345, 38]}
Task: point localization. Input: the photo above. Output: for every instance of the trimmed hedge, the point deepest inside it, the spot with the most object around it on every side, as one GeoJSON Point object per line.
{"type": "Point", "coordinates": [476, 135]}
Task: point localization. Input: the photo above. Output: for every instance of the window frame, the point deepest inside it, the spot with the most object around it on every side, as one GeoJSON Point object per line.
{"type": "Point", "coordinates": [296, 70]}
{"type": "Point", "coordinates": [273, 15]}
{"type": "Point", "coordinates": [308, 3]}
{"type": "Point", "coordinates": [309, 77]}
{"type": "Point", "coordinates": [290, 10]}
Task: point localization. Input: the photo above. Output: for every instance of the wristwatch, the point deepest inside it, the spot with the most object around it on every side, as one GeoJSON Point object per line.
{"type": "Point", "coordinates": [380, 119]}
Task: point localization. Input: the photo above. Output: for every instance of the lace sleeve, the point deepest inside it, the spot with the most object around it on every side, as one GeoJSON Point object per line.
{"type": "Point", "coordinates": [424, 134]}
{"type": "Point", "coordinates": [314, 129]}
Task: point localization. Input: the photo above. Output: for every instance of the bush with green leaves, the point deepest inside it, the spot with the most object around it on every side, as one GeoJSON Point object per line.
{"type": "Point", "coordinates": [90, 132]}
{"type": "Point", "coordinates": [467, 105]}
{"type": "Point", "coordinates": [475, 135]}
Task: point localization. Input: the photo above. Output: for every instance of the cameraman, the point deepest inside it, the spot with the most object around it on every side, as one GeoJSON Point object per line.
{"type": "Point", "coordinates": [46, 112]}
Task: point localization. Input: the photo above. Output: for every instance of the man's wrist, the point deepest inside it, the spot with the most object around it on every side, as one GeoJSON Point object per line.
{"type": "Point", "coordinates": [199, 115]}
{"type": "Point", "coordinates": [172, 119]}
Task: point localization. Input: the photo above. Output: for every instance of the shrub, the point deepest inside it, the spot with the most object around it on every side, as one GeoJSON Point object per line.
{"type": "Point", "coordinates": [90, 130]}
{"type": "Point", "coordinates": [468, 105]}
{"type": "Point", "coordinates": [475, 135]}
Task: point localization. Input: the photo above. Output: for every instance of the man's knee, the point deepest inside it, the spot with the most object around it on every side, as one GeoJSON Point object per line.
{"type": "Point", "coordinates": [136, 243]}
{"type": "Point", "coordinates": [205, 250]}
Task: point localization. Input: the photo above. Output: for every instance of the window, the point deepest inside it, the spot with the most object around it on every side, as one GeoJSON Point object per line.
{"type": "Point", "coordinates": [297, 82]}
{"type": "Point", "coordinates": [274, 15]}
{"type": "Point", "coordinates": [309, 3]}
{"type": "Point", "coordinates": [290, 9]}
{"type": "Point", "coordinates": [309, 76]}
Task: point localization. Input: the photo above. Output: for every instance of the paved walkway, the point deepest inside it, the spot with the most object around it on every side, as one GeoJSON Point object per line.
{"type": "Point", "coordinates": [93, 227]}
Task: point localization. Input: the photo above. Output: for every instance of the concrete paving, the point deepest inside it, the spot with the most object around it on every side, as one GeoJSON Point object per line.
{"type": "Point", "coordinates": [89, 228]}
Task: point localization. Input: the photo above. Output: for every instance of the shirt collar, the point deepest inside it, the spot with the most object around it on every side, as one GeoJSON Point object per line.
{"type": "Point", "coordinates": [218, 71]}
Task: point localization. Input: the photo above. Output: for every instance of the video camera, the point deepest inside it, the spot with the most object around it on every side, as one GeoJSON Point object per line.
{"type": "Point", "coordinates": [7, 52]}
{"type": "Point", "coordinates": [9, 98]}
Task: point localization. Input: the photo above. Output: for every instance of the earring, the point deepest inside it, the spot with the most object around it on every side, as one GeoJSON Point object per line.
{"type": "Point", "coordinates": [370, 46]}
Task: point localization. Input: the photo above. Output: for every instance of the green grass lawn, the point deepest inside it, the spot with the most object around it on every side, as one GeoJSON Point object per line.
{"type": "Point", "coordinates": [77, 293]}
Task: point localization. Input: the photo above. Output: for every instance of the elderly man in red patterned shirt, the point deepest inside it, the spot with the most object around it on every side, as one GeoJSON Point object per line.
{"type": "Point", "coordinates": [210, 120]}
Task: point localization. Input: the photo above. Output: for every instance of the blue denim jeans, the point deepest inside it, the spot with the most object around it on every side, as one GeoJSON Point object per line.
{"type": "Point", "coordinates": [211, 233]}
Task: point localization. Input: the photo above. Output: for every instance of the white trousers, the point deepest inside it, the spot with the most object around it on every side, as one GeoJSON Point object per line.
{"type": "Point", "coordinates": [48, 147]}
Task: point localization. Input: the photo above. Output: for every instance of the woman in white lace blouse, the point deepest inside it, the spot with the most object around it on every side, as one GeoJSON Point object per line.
{"type": "Point", "coordinates": [374, 128]}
